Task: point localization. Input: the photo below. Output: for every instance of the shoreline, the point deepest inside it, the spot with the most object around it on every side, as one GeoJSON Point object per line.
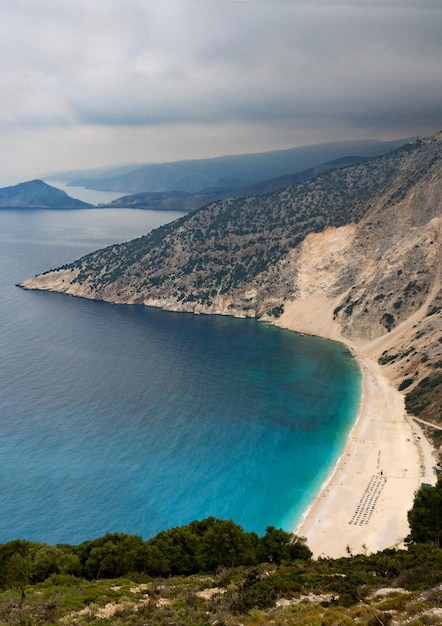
{"type": "Point", "coordinates": [362, 504]}
{"type": "Point", "coordinates": [371, 487]}
{"type": "Point", "coordinates": [309, 513]}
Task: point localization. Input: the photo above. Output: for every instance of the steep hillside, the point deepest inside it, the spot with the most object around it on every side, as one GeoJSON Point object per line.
{"type": "Point", "coordinates": [36, 194]}
{"type": "Point", "coordinates": [356, 250]}
{"type": "Point", "coordinates": [186, 201]}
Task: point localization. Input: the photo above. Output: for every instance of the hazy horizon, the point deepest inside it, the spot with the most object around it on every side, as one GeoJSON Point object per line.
{"type": "Point", "coordinates": [89, 84]}
{"type": "Point", "coordinates": [52, 177]}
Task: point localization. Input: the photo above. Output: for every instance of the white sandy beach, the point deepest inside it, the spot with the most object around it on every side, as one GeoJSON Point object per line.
{"type": "Point", "coordinates": [362, 506]}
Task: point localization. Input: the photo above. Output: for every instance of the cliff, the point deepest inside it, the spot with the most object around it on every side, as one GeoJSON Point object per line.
{"type": "Point", "coordinates": [353, 254]}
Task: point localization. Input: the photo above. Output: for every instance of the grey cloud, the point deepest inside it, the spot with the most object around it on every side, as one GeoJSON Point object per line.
{"type": "Point", "coordinates": [353, 65]}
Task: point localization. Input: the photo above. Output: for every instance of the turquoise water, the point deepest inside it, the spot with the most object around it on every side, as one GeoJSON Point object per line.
{"type": "Point", "coordinates": [122, 418]}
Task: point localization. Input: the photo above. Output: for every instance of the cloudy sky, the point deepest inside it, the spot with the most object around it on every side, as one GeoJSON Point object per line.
{"type": "Point", "coordinates": [87, 83]}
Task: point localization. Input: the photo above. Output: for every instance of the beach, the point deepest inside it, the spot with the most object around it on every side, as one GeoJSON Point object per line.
{"type": "Point", "coordinates": [362, 506]}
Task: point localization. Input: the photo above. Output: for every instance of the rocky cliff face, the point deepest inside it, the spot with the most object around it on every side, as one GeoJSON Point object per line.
{"type": "Point", "coordinates": [354, 253]}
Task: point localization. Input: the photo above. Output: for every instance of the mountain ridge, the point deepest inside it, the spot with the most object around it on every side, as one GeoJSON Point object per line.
{"type": "Point", "coordinates": [353, 254]}
{"type": "Point", "coordinates": [187, 201]}
{"type": "Point", "coordinates": [231, 171]}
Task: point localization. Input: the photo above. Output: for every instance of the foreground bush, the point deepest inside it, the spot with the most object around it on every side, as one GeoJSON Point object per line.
{"type": "Point", "coordinates": [201, 546]}
{"type": "Point", "coordinates": [390, 587]}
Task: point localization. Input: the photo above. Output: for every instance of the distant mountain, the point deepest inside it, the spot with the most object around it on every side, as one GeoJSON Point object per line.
{"type": "Point", "coordinates": [275, 184]}
{"type": "Point", "coordinates": [166, 200]}
{"type": "Point", "coordinates": [186, 201]}
{"type": "Point", "coordinates": [232, 171]}
{"type": "Point", "coordinates": [36, 194]}
{"type": "Point", "coordinates": [91, 174]}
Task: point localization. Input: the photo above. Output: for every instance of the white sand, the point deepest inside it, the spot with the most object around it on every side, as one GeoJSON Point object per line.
{"type": "Point", "coordinates": [385, 460]}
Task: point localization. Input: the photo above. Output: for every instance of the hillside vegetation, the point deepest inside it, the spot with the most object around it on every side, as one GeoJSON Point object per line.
{"type": "Point", "coordinates": [186, 201]}
{"type": "Point", "coordinates": [366, 239]}
{"type": "Point", "coordinates": [389, 588]}
{"type": "Point", "coordinates": [212, 572]}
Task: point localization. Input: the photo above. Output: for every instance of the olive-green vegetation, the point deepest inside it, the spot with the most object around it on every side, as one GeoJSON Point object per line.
{"type": "Point", "coordinates": [186, 201]}
{"type": "Point", "coordinates": [425, 518]}
{"type": "Point", "coordinates": [393, 586]}
{"type": "Point", "coordinates": [227, 246]}
{"type": "Point", "coordinates": [201, 546]}
{"type": "Point", "coordinates": [213, 572]}
{"type": "Point", "coordinates": [427, 393]}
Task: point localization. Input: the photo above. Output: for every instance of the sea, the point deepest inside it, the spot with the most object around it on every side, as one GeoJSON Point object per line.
{"type": "Point", "coordinates": [117, 418]}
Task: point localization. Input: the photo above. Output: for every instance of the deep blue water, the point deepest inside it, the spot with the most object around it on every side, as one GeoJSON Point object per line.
{"type": "Point", "coordinates": [126, 418]}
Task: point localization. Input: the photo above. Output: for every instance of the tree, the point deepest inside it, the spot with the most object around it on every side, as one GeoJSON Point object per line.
{"type": "Point", "coordinates": [425, 518]}
{"type": "Point", "coordinates": [15, 568]}
{"type": "Point", "coordinates": [18, 573]}
{"type": "Point", "coordinates": [178, 547]}
{"type": "Point", "coordinates": [113, 555]}
{"type": "Point", "coordinates": [45, 561]}
{"type": "Point", "coordinates": [277, 546]}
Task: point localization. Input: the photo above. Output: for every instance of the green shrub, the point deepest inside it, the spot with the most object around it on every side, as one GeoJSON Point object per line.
{"type": "Point", "coordinates": [405, 383]}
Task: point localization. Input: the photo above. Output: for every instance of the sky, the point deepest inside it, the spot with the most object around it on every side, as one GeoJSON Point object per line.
{"type": "Point", "coordinates": [90, 83]}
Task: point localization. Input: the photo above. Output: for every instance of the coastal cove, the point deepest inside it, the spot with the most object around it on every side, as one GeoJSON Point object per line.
{"type": "Point", "coordinates": [131, 419]}
{"type": "Point", "coordinates": [362, 506]}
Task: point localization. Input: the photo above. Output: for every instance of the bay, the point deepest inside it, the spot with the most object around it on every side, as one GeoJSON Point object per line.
{"type": "Point", "coordinates": [132, 419]}
{"type": "Point", "coordinates": [91, 196]}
